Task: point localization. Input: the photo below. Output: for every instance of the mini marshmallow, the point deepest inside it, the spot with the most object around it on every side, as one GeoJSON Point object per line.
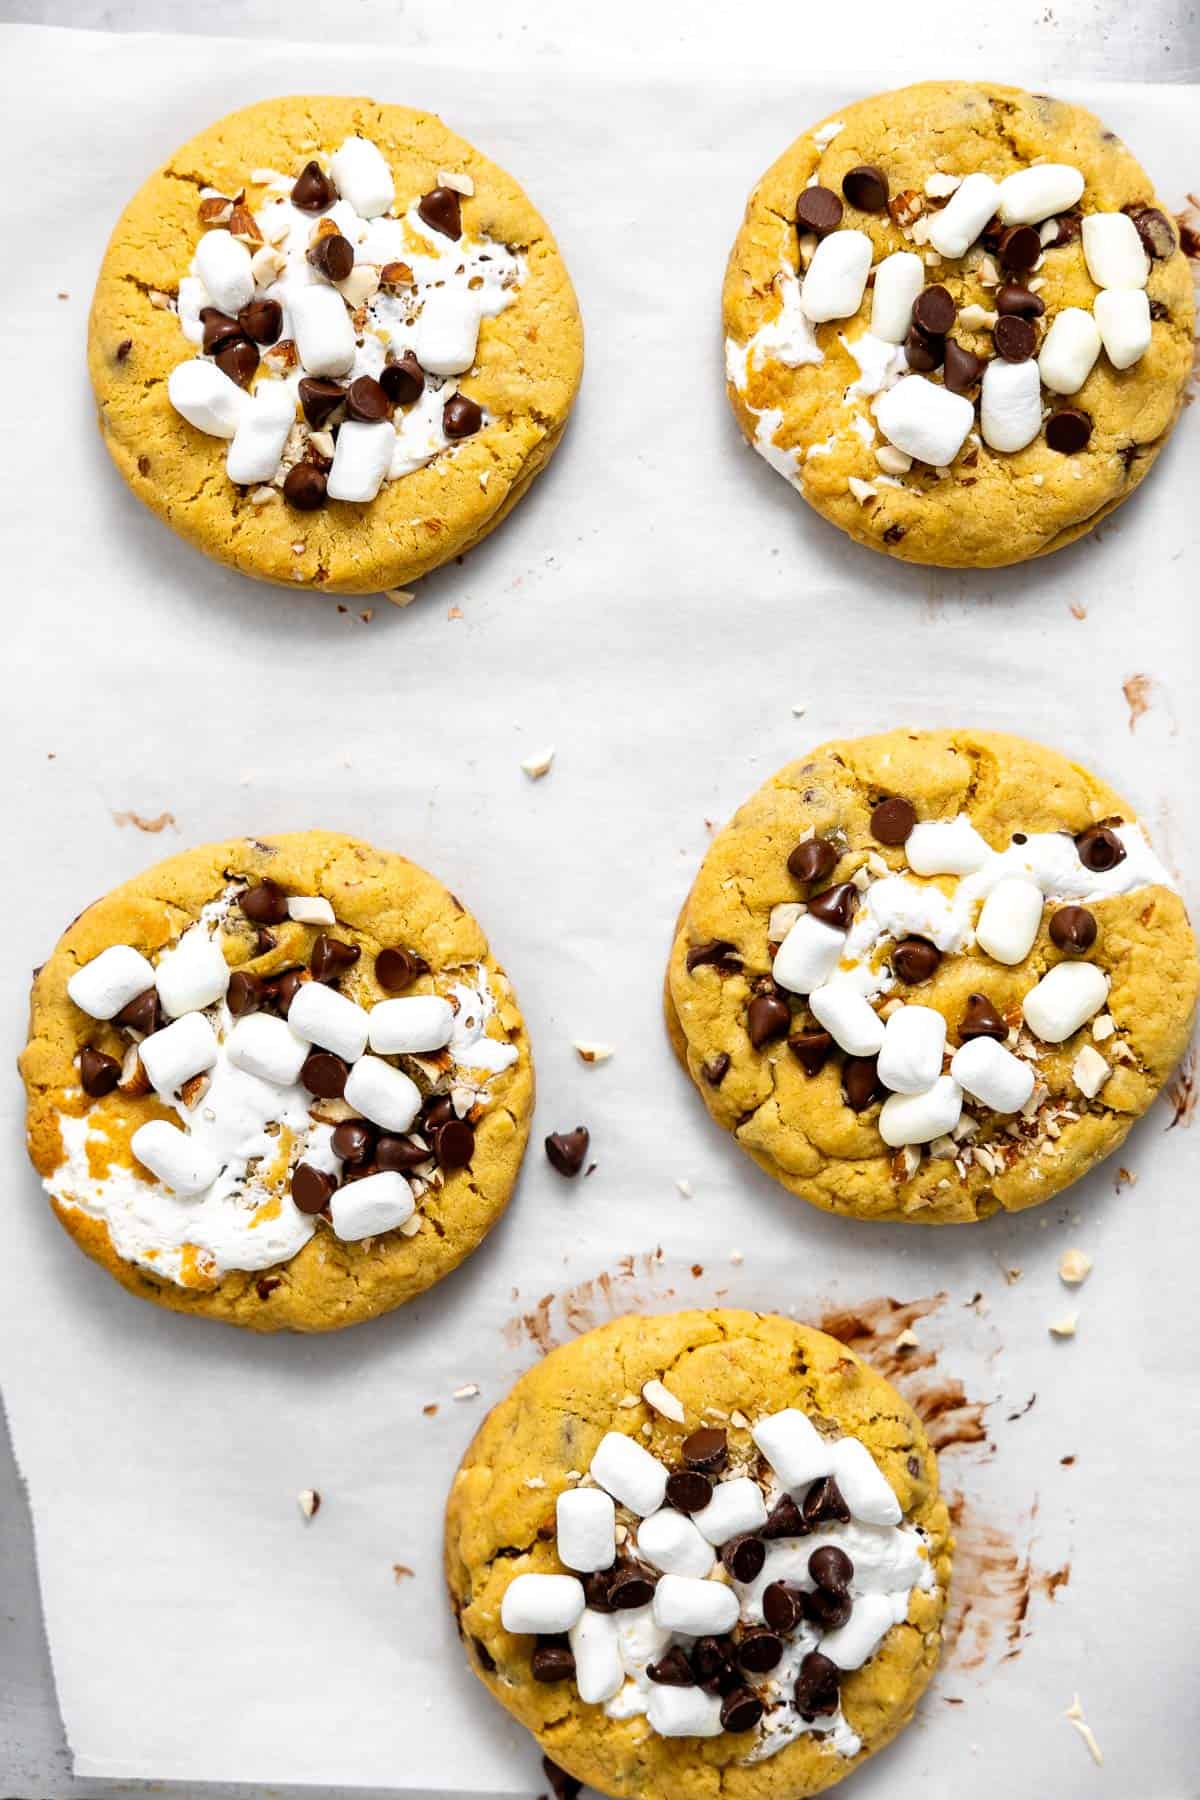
{"type": "Point", "coordinates": [919, 1118]}
{"type": "Point", "coordinates": [736, 1506]}
{"type": "Point", "coordinates": [377, 1203]}
{"type": "Point", "coordinates": [204, 396]}
{"type": "Point", "coordinates": [448, 331]}
{"type": "Point", "coordinates": [361, 459]}
{"type": "Point", "coordinates": [990, 1073]}
{"type": "Point", "coordinates": [599, 1673]}
{"type": "Point", "coordinates": [171, 1155]}
{"type": "Point", "coordinates": [641, 1640]}
{"type": "Point", "coordinates": [945, 847]}
{"type": "Point", "coordinates": [927, 422]}
{"type": "Point", "coordinates": [1031, 195]}
{"type": "Point", "coordinates": [192, 975]}
{"type": "Point", "coordinates": [836, 278]}
{"type": "Point", "coordinates": [1069, 351]}
{"type": "Point", "coordinates": [911, 1057]}
{"type": "Point", "coordinates": [1064, 999]}
{"type": "Point", "coordinates": [325, 1017]}
{"type": "Point", "coordinates": [263, 428]}
{"type": "Point", "coordinates": [954, 229]}
{"type": "Point", "coordinates": [1010, 404]}
{"type": "Point", "coordinates": [808, 955]}
{"type": "Point", "coordinates": [362, 177]}
{"type": "Point", "coordinates": [310, 909]}
{"type": "Point", "coordinates": [110, 981]}
{"type": "Point", "coordinates": [585, 1524]}
{"type": "Point", "coordinates": [1123, 319]}
{"type": "Point", "coordinates": [863, 1485]}
{"type": "Point", "coordinates": [172, 1056]}
{"type": "Point", "coordinates": [1115, 255]}
{"type": "Point", "coordinates": [1010, 919]}
{"type": "Point", "coordinates": [682, 1712]}
{"type": "Point", "coordinates": [794, 1448]}
{"type": "Point", "coordinates": [322, 329]}
{"type": "Point", "coordinates": [697, 1608]}
{"type": "Point", "coordinates": [669, 1541]}
{"type": "Point", "coordinates": [852, 1643]}
{"type": "Point", "coordinates": [629, 1473]}
{"type": "Point", "coordinates": [267, 1047]}
{"type": "Point", "coordinates": [898, 280]}
{"type": "Point", "coordinates": [407, 1027]}
{"type": "Point", "coordinates": [223, 264]}
{"type": "Point", "coordinates": [541, 1603]}
{"type": "Point", "coordinates": [382, 1094]}
{"type": "Point", "coordinates": [851, 1020]}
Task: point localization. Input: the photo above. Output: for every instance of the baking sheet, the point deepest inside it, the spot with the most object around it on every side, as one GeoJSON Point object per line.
{"type": "Point", "coordinates": [656, 609]}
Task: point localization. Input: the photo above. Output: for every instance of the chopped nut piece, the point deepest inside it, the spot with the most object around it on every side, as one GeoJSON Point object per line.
{"type": "Point", "coordinates": [538, 765]}
{"type": "Point", "coordinates": [977, 318]}
{"type": "Point", "coordinates": [862, 490]}
{"type": "Point", "coordinates": [1065, 1327]}
{"type": "Point", "coordinates": [1074, 1266]}
{"type": "Point", "coordinates": [908, 1340]}
{"type": "Point", "coordinates": [593, 1053]}
{"type": "Point", "coordinates": [1090, 1071]}
{"type": "Point", "coordinates": [663, 1401]}
{"type": "Point", "coordinates": [782, 918]}
{"type": "Point", "coordinates": [460, 184]}
{"type": "Point", "coordinates": [1074, 1716]}
{"type": "Point", "coordinates": [397, 274]}
{"type": "Point", "coordinates": [468, 1391]}
{"type": "Point", "coordinates": [939, 186]}
{"type": "Point", "coordinates": [399, 596]}
{"type": "Point", "coordinates": [893, 461]}
{"type": "Point", "coordinates": [1103, 1027]}
{"type": "Point", "coordinates": [215, 209]}
{"type": "Point", "coordinates": [309, 1502]}
{"type": "Point", "coordinates": [261, 496]}
{"type": "Point", "coordinates": [134, 1080]}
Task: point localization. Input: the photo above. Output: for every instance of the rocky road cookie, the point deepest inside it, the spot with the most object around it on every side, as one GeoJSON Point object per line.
{"type": "Point", "coordinates": [959, 322]}
{"type": "Point", "coordinates": [930, 975]}
{"type": "Point", "coordinates": [702, 1553]}
{"type": "Point", "coordinates": [280, 1083]}
{"type": "Point", "coordinates": [332, 344]}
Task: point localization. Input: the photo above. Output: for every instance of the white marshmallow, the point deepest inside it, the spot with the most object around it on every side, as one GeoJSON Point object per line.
{"type": "Point", "coordinates": [204, 396]}
{"type": "Point", "coordinates": [836, 278]}
{"type": "Point", "coordinates": [629, 1473]}
{"type": "Point", "coordinates": [362, 177]}
{"type": "Point", "coordinates": [361, 459]}
{"type": "Point", "coordinates": [808, 955]}
{"type": "Point", "coordinates": [311, 909]}
{"type": "Point", "coordinates": [919, 1118]}
{"type": "Point", "coordinates": [325, 1017]}
{"type": "Point", "coordinates": [697, 1608]}
{"type": "Point", "coordinates": [898, 280]}
{"type": "Point", "coordinates": [736, 1506]}
{"type": "Point", "coordinates": [448, 331]}
{"type": "Point", "coordinates": [911, 1057]}
{"type": "Point", "coordinates": [945, 847]}
{"type": "Point", "coordinates": [407, 1027]}
{"type": "Point", "coordinates": [1069, 351]}
{"type": "Point", "coordinates": [863, 1485]}
{"type": "Point", "coordinates": [1123, 320]}
{"type": "Point", "coordinates": [794, 1448]}
{"type": "Point", "coordinates": [869, 1623]}
{"type": "Point", "coordinates": [990, 1073]}
{"type": "Point", "coordinates": [954, 229]}
{"type": "Point", "coordinates": [641, 1640]}
{"type": "Point", "coordinates": [585, 1526]}
{"type": "Point", "coordinates": [192, 975]}
{"type": "Point", "coordinates": [681, 1712]}
{"type": "Point", "coordinates": [110, 981]}
{"type": "Point", "coordinates": [670, 1542]}
{"type": "Point", "coordinates": [263, 428]}
{"type": "Point", "coordinates": [1010, 919]}
{"type": "Point", "coordinates": [174, 1157]}
{"type": "Point", "coordinates": [377, 1203]}
{"type": "Point", "coordinates": [927, 422]}
{"type": "Point", "coordinates": [1010, 404]}
{"type": "Point", "coordinates": [1033, 194]}
{"type": "Point", "coordinates": [382, 1094]}
{"type": "Point", "coordinates": [267, 1047]}
{"type": "Point", "coordinates": [172, 1056]}
{"type": "Point", "coordinates": [541, 1603]}
{"type": "Point", "coordinates": [1064, 999]}
{"type": "Point", "coordinates": [851, 1020]}
{"type": "Point", "coordinates": [1115, 254]}
{"type": "Point", "coordinates": [322, 329]}
{"type": "Point", "coordinates": [223, 265]}
{"type": "Point", "coordinates": [599, 1673]}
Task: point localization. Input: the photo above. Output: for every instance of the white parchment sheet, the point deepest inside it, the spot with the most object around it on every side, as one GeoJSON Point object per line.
{"type": "Point", "coordinates": [656, 608]}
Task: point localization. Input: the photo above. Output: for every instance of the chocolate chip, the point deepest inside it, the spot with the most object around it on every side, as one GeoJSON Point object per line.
{"type": "Point", "coordinates": [836, 905]}
{"type": "Point", "coordinates": [759, 1649]}
{"type": "Point", "coordinates": [567, 1150]}
{"type": "Point", "coordinates": [1019, 248]}
{"type": "Point", "coordinates": [367, 401]}
{"type": "Point", "coordinates": [688, 1490]}
{"type": "Point", "coordinates": [1099, 849]}
{"type": "Point", "coordinates": [399, 1153]}
{"type": "Point", "coordinates": [630, 1587]}
{"type": "Point", "coordinates": [403, 381]}
{"type": "Point", "coordinates": [438, 1110]}
{"type": "Point", "coordinates": [1068, 430]}
{"type": "Point", "coordinates": [1019, 301]}
{"type": "Point", "coordinates": [980, 1019]}
{"type": "Point", "coordinates": [332, 256]}
{"type": "Point", "coordinates": [824, 1502]}
{"type": "Point", "coordinates": [706, 1449]}
{"type": "Point", "coordinates": [1067, 228]}
{"type": "Point", "coordinates": [304, 487]}
{"type": "Point", "coordinates": [218, 329]}
{"type": "Point", "coordinates": [265, 1286]}
{"type": "Point", "coordinates": [1073, 928]}
{"type": "Point", "coordinates": [243, 993]}
{"type": "Point", "coordinates": [1155, 231]}
{"type": "Point", "coordinates": [454, 1144]}
{"type": "Point", "coordinates": [784, 1520]}
{"type": "Point", "coordinates": [813, 860]}
{"type": "Point", "coordinates": [283, 988]}
{"type": "Point", "coordinates": [744, 1556]}
{"type": "Point", "coordinates": [961, 368]}
{"type": "Point", "coordinates": [812, 1049]}
{"type": "Point", "coordinates": [324, 1074]}
{"type": "Point", "coordinates": [262, 320]}
{"type": "Point", "coordinates": [922, 352]}
{"type": "Point", "coordinates": [741, 1710]}
{"type": "Point", "coordinates": [819, 210]}
{"type": "Point", "coordinates": [552, 1661]}
{"type": "Point", "coordinates": [831, 1568]}
{"type": "Point", "coordinates": [892, 821]}
{"type": "Point", "coordinates": [783, 1607]}
{"type": "Point", "coordinates": [330, 956]}
{"type": "Point", "coordinates": [312, 190]}
{"type": "Point", "coordinates": [595, 1590]}
{"type": "Point", "coordinates": [1015, 339]}
{"type": "Point", "coordinates": [860, 1081]}
{"type": "Point", "coordinates": [1159, 310]}
{"type": "Point", "coordinates": [915, 959]}
{"type": "Point", "coordinates": [827, 1609]}
{"type": "Point", "coordinates": [715, 1069]}
{"type": "Point", "coordinates": [712, 1665]}
{"type": "Point", "coordinates": [265, 904]}
{"type": "Point", "coordinates": [312, 1189]}
{"type": "Point", "coordinates": [767, 1018]}
{"type": "Point", "coordinates": [238, 359]}
{"type": "Point", "coordinates": [396, 969]}
{"type": "Point", "coordinates": [352, 1140]}
{"type": "Point", "coordinates": [718, 952]}
{"type": "Point", "coordinates": [123, 349]}
{"type": "Point", "coordinates": [319, 399]}
{"type": "Point", "coordinates": [98, 1073]}
{"type": "Point", "coordinates": [934, 311]}
{"type": "Point", "coordinates": [672, 1670]}
{"type": "Point", "coordinates": [461, 417]}
{"type": "Point", "coordinates": [866, 187]}
{"type": "Point", "coordinates": [441, 209]}
{"type": "Point", "coordinates": [816, 1690]}
{"type": "Point", "coordinates": [562, 1785]}
{"type": "Point", "coordinates": [143, 1012]}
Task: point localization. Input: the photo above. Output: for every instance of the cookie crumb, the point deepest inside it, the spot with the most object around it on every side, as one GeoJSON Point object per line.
{"type": "Point", "coordinates": [401, 1572]}
{"type": "Point", "coordinates": [1074, 1266]}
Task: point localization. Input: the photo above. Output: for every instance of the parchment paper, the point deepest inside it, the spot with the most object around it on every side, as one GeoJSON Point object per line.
{"type": "Point", "coordinates": [656, 609]}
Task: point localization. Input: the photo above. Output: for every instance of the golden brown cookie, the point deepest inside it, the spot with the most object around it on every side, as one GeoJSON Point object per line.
{"type": "Point", "coordinates": [702, 1554]}
{"type": "Point", "coordinates": [959, 322]}
{"type": "Point", "coordinates": [279, 1082]}
{"type": "Point", "coordinates": [931, 975]}
{"type": "Point", "coordinates": [332, 344]}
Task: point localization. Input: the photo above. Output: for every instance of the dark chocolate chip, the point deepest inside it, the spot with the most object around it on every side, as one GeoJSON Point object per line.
{"type": "Point", "coordinates": [562, 1785]}
{"type": "Point", "coordinates": [759, 1649]}
{"type": "Point", "coordinates": [218, 329]}
{"type": "Point", "coordinates": [961, 369]}
{"type": "Point", "coordinates": [265, 904]}
{"type": "Point", "coordinates": [243, 994]}
{"type": "Point", "coordinates": [319, 399]}
{"type": "Point", "coordinates": [831, 1568]}
{"type": "Point", "coordinates": [823, 1502]}
{"type": "Point", "coordinates": [1067, 228]}
{"type": "Point", "coordinates": [706, 1449]}
{"type": "Point", "coordinates": [567, 1150]}
{"type": "Point", "coordinates": [143, 1012]}
{"type": "Point", "coordinates": [812, 1049]}
{"type": "Point", "coordinates": [980, 1019]}
{"type": "Point", "coordinates": [715, 1069]}
{"type": "Point", "coordinates": [836, 905]}
{"type": "Point", "coordinates": [860, 1081]}
{"type": "Point", "coordinates": [784, 1520]}
{"type": "Point", "coordinates": [892, 821]}
{"type": "Point", "coordinates": [396, 969]}
{"type": "Point", "coordinates": [767, 1017]}
{"type": "Point", "coordinates": [1073, 928]}
{"type": "Point", "coordinates": [915, 959]}
{"type": "Point", "coordinates": [263, 941]}
{"type": "Point", "coordinates": [454, 1144]}
{"type": "Point", "coordinates": [922, 352]}
{"type": "Point", "coordinates": [304, 487]}
{"type": "Point", "coordinates": [98, 1073]}
{"type": "Point", "coordinates": [461, 417]}
{"type": "Point", "coordinates": [265, 1286]}
{"type": "Point", "coordinates": [813, 860]}
{"type": "Point", "coordinates": [403, 381]}
{"type": "Point", "coordinates": [367, 401]}
{"type": "Point", "coordinates": [1019, 301]}
{"type": "Point", "coordinates": [551, 1662]}
{"type": "Point", "coordinates": [324, 1074]}
{"type": "Point", "coordinates": [934, 311]}
{"type": "Point", "coordinates": [818, 209]}
{"type": "Point", "coordinates": [312, 190]}
{"type": "Point", "coordinates": [688, 1490]}
{"type": "Point", "coordinates": [400, 1153]}
{"type": "Point", "coordinates": [783, 1607]}
{"type": "Point", "coordinates": [330, 956]}
{"type": "Point", "coordinates": [123, 349]}
{"type": "Point", "coordinates": [441, 209]}
{"type": "Point", "coordinates": [1099, 849]}
{"type": "Point", "coordinates": [238, 359]}
{"type": "Point", "coordinates": [1068, 430]}
{"type": "Point", "coordinates": [1019, 248]}
{"type": "Point", "coordinates": [262, 321]}
{"type": "Point", "coordinates": [718, 953]}
{"type": "Point", "coordinates": [312, 1189]}
{"type": "Point", "coordinates": [1015, 339]}
{"type": "Point", "coordinates": [744, 1556]}
{"type": "Point", "coordinates": [438, 1110]}
{"type": "Point", "coordinates": [827, 1609]}
{"type": "Point", "coordinates": [672, 1669]}
{"type": "Point", "coordinates": [741, 1710]}
{"type": "Point", "coordinates": [283, 988]}
{"type": "Point", "coordinates": [866, 187]}
{"type": "Point", "coordinates": [1156, 232]}
{"type": "Point", "coordinates": [332, 255]}
{"type": "Point", "coordinates": [353, 1140]}
{"type": "Point", "coordinates": [816, 1691]}
{"type": "Point", "coordinates": [595, 1590]}
{"type": "Point", "coordinates": [630, 1587]}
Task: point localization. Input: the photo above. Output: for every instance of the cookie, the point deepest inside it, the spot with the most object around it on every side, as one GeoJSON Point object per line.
{"type": "Point", "coordinates": [702, 1552]}
{"type": "Point", "coordinates": [931, 975]}
{"type": "Point", "coordinates": [278, 1082]}
{"type": "Point", "coordinates": [959, 322]}
{"type": "Point", "coordinates": [332, 344]}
